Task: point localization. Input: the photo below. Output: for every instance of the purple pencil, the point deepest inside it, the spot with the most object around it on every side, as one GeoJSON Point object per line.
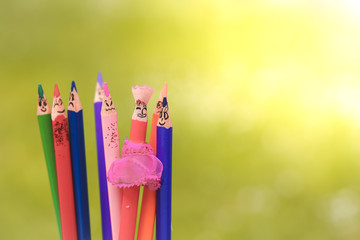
{"type": "Point", "coordinates": [104, 197]}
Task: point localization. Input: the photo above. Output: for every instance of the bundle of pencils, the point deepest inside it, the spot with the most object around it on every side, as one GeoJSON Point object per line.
{"type": "Point", "coordinates": [64, 148]}
{"type": "Point", "coordinates": [120, 177]}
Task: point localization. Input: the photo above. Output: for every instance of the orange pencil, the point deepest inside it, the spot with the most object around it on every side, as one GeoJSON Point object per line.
{"type": "Point", "coordinates": [63, 168]}
{"type": "Point", "coordinates": [148, 206]}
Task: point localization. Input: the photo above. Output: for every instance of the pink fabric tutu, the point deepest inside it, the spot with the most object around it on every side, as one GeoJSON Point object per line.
{"type": "Point", "coordinates": [138, 167]}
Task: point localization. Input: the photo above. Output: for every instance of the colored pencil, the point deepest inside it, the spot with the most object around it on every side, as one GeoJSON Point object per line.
{"type": "Point", "coordinates": [112, 152]}
{"type": "Point", "coordinates": [78, 163]}
{"type": "Point", "coordinates": [164, 153]}
{"type": "Point", "coordinates": [139, 121]}
{"type": "Point", "coordinates": [103, 189]}
{"type": "Point", "coordinates": [148, 205]}
{"type": "Point", "coordinates": [44, 119]}
{"type": "Point", "coordinates": [63, 167]}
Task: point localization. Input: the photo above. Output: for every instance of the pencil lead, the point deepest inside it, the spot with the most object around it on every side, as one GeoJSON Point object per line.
{"type": "Point", "coordinates": [100, 79]}
{"type": "Point", "coordinates": [73, 86]}
{"type": "Point", "coordinates": [164, 90]}
{"type": "Point", "coordinates": [56, 91]}
{"type": "Point", "coordinates": [40, 91]}
{"type": "Point", "coordinates": [106, 90]}
{"type": "Point", "coordinates": [164, 102]}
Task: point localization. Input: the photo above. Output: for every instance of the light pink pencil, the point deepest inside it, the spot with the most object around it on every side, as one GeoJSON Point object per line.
{"type": "Point", "coordinates": [112, 152]}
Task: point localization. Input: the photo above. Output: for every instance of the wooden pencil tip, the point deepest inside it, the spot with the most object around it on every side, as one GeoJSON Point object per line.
{"type": "Point", "coordinates": [100, 79]}
{"type": "Point", "coordinates": [40, 91]}
{"type": "Point", "coordinates": [73, 86]}
{"type": "Point", "coordinates": [164, 90]}
{"type": "Point", "coordinates": [56, 91]}
{"type": "Point", "coordinates": [165, 103]}
{"type": "Point", "coordinates": [106, 90]}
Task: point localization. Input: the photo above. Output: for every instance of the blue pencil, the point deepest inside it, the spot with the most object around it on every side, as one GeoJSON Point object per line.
{"type": "Point", "coordinates": [104, 197]}
{"type": "Point", "coordinates": [78, 162]}
{"type": "Point", "coordinates": [164, 153]}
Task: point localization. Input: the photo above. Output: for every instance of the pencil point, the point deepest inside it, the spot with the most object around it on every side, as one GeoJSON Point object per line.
{"type": "Point", "coordinates": [56, 91]}
{"type": "Point", "coordinates": [164, 102]}
{"type": "Point", "coordinates": [164, 90]}
{"type": "Point", "coordinates": [99, 79]}
{"type": "Point", "coordinates": [40, 91]}
{"type": "Point", "coordinates": [73, 86]}
{"type": "Point", "coordinates": [106, 90]}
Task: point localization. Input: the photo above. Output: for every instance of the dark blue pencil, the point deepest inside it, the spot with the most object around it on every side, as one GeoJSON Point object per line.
{"type": "Point", "coordinates": [104, 197]}
{"type": "Point", "coordinates": [164, 153]}
{"type": "Point", "coordinates": [78, 162]}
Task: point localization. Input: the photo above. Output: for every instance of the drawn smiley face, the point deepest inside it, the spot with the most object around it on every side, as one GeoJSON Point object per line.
{"type": "Point", "coordinates": [59, 106]}
{"type": "Point", "coordinates": [163, 116]}
{"type": "Point", "coordinates": [141, 109]}
{"type": "Point", "coordinates": [109, 106]}
{"type": "Point", "coordinates": [43, 105]}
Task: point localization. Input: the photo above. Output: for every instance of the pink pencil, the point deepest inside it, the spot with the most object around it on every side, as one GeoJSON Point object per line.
{"type": "Point", "coordinates": [112, 152]}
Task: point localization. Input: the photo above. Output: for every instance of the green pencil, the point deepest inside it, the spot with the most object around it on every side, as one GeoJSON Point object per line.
{"type": "Point", "coordinates": [44, 118]}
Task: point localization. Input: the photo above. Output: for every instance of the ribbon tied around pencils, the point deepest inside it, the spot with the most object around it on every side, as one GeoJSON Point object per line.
{"type": "Point", "coordinates": [138, 167]}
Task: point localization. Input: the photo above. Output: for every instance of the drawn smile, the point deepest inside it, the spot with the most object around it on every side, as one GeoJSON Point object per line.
{"type": "Point", "coordinates": [162, 124]}
{"type": "Point", "coordinates": [43, 109]}
{"type": "Point", "coordinates": [141, 115]}
{"type": "Point", "coordinates": [109, 109]}
{"type": "Point", "coordinates": [61, 111]}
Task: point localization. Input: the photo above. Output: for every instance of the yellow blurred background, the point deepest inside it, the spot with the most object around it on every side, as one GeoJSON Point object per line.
{"type": "Point", "coordinates": [264, 97]}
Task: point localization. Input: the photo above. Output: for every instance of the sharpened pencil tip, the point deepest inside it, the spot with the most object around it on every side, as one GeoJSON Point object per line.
{"type": "Point", "coordinates": [73, 86]}
{"type": "Point", "coordinates": [106, 90]}
{"type": "Point", "coordinates": [164, 102]}
{"type": "Point", "coordinates": [56, 91]}
{"type": "Point", "coordinates": [100, 79]}
{"type": "Point", "coordinates": [40, 91]}
{"type": "Point", "coordinates": [164, 90]}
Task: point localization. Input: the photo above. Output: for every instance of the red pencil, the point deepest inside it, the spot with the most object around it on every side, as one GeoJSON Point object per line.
{"type": "Point", "coordinates": [137, 135]}
{"type": "Point", "coordinates": [63, 168]}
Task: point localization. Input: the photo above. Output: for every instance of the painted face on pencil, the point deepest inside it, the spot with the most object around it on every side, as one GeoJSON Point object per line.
{"type": "Point", "coordinates": [140, 112]}
{"type": "Point", "coordinates": [74, 101]}
{"type": "Point", "coordinates": [58, 105]}
{"type": "Point", "coordinates": [43, 105]}
{"type": "Point", "coordinates": [163, 116]}
{"type": "Point", "coordinates": [71, 105]}
{"type": "Point", "coordinates": [109, 106]}
{"type": "Point", "coordinates": [158, 107]}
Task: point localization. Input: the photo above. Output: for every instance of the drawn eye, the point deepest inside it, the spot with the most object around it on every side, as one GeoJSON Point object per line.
{"type": "Point", "coordinates": [60, 102]}
{"type": "Point", "coordinates": [145, 107]}
{"type": "Point", "coordinates": [158, 105]}
{"type": "Point", "coordinates": [45, 103]}
{"type": "Point", "coordinates": [106, 103]}
{"type": "Point", "coordinates": [138, 108]}
{"type": "Point", "coordinates": [72, 96]}
{"type": "Point", "coordinates": [111, 103]}
{"type": "Point", "coordinates": [40, 103]}
{"type": "Point", "coordinates": [166, 115]}
{"type": "Point", "coordinates": [160, 115]}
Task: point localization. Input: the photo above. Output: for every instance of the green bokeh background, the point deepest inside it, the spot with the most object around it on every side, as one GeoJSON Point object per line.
{"type": "Point", "coordinates": [264, 99]}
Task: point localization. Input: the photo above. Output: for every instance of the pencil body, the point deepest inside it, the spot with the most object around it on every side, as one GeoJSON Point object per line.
{"type": "Point", "coordinates": [148, 205]}
{"type": "Point", "coordinates": [78, 161]}
{"type": "Point", "coordinates": [45, 127]}
{"type": "Point", "coordinates": [64, 177]}
{"type": "Point", "coordinates": [163, 200]}
{"type": "Point", "coordinates": [131, 195]}
{"type": "Point", "coordinates": [112, 152]}
{"type": "Point", "coordinates": [104, 198]}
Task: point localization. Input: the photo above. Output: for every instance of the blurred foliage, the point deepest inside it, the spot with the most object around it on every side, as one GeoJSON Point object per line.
{"type": "Point", "coordinates": [264, 98]}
